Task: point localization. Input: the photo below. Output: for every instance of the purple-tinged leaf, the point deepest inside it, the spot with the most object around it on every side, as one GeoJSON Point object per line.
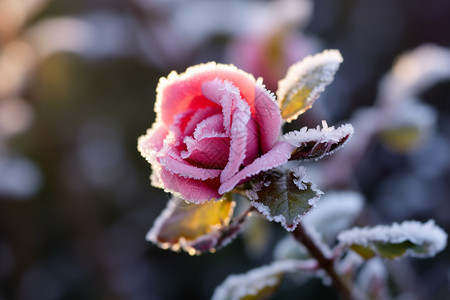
{"type": "Point", "coordinates": [315, 143]}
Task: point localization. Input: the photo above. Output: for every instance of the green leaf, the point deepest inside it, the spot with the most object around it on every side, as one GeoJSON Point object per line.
{"type": "Point", "coordinates": [195, 228]}
{"type": "Point", "coordinates": [408, 238]}
{"type": "Point", "coordinates": [304, 82]}
{"type": "Point", "coordinates": [284, 195]}
{"type": "Point", "coordinates": [260, 283]}
{"type": "Point", "coordinates": [364, 252]}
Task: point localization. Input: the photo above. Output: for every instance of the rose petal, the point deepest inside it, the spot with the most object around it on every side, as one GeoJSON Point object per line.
{"type": "Point", "coordinates": [209, 126]}
{"type": "Point", "coordinates": [267, 114]}
{"type": "Point", "coordinates": [278, 155]}
{"type": "Point", "coordinates": [198, 116]}
{"type": "Point", "coordinates": [252, 150]}
{"type": "Point", "coordinates": [152, 142]}
{"type": "Point", "coordinates": [209, 152]}
{"type": "Point", "coordinates": [178, 93]}
{"type": "Point", "coordinates": [238, 142]}
{"type": "Point", "coordinates": [194, 191]}
{"type": "Point", "coordinates": [180, 122]}
{"type": "Point", "coordinates": [236, 114]}
{"type": "Point", "coordinates": [182, 168]}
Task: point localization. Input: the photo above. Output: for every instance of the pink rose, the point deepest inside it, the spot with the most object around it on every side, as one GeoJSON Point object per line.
{"type": "Point", "coordinates": [216, 127]}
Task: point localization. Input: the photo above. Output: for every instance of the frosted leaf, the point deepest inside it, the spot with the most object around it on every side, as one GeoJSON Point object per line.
{"type": "Point", "coordinates": [315, 143]}
{"type": "Point", "coordinates": [414, 72]}
{"type": "Point", "coordinates": [259, 283]}
{"type": "Point", "coordinates": [336, 212]}
{"type": "Point", "coordinates": [408, 238]}
{"type": "Point", "coordinates": [284, 195]}
{"type": "Point", "coordinates": [304, 82]}
{"type": "Point", "coordinates": [194, 228]}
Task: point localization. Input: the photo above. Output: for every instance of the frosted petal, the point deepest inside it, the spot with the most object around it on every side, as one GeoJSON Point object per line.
{"type": "Point", "coordinates": [277, 156]}
{"type": "Point", "coordinates": [152, 142]}
{"type": "Point", "coordinates": [267, 115]}
{"type": "Point", "coordinates": [209, 152]}
{"type": "Point", "coordinates": [197, 117]}
{"type": "Point", "coordinates": [236, 115]}
{"type": "Point", "coordinates": [191, 190]}
{"type": "Point", "coordinates": [182, 168]}
{"type": "Point", "coordinates": [180, 92]}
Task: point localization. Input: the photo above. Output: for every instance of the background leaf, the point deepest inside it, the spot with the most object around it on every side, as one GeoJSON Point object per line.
{"type": "Point", "coordinates": [408, 238]}
{"type": "Point", "coordinates": [304, 82]}
{"type": "Point", "coordinates": [191, 227]}
{"type": "Point", "coordinates": [259, 283]}
{"type": "Point", "coordinates": [284, 195]}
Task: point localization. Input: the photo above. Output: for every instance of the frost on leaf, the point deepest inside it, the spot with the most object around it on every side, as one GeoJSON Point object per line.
{"type": "Point", "coordinates": [258, 283]}
{"type": "Point", "coordinates": [315, 143]}
{"type": "Point", "coordinates": [284, 195]}
{"type": "Point", "coordinates": [304, 82]}
{"type": "Point", "coordinates": [335, 212]}
{"type": "Point", "coordinates": [194, 228]}
{"type": "Point", "coordinates": [408, 238]}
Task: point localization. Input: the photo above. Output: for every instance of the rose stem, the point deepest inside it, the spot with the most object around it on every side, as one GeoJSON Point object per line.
{"type": "Point", "coordinates": [325, 263]}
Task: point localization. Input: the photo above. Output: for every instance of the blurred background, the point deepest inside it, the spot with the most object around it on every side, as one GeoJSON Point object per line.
{"type": "Point", "coordinates": [77, 88]}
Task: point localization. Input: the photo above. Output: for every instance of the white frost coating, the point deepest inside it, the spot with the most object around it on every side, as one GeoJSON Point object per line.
{"type": "Point", "coordinates": [300, 182]}
{"type": "Point", "coordinates": [313, 72]}
{"type": "Point", "coordinates": [236, 287]}
{"type": "Point", "coordinates": [326, 135]}
{"type": "Point", "coordinates": [336, 211]}
{"type": "Point", "coordinates": [414, 72]}
{"type": "Point", "coordinates": [416, 232]}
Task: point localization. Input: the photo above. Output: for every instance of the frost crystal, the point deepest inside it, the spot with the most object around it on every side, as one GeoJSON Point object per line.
{"type": "Point", "coordinates": [314, 143]}
{"type": "Point", "coordinates": [427, 238]}
{"type": "Point", "coordinates": [304, 82]}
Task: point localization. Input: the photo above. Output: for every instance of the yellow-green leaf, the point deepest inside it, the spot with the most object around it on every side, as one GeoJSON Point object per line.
{"type": "Point", "coordinates": [195, 228]}
{"type": "Point", "coordinates": [408, 238]}
{"type": "Point", "coordinates": [304, 82]}
{"type": "Point", "coordinates": [401, 139]}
